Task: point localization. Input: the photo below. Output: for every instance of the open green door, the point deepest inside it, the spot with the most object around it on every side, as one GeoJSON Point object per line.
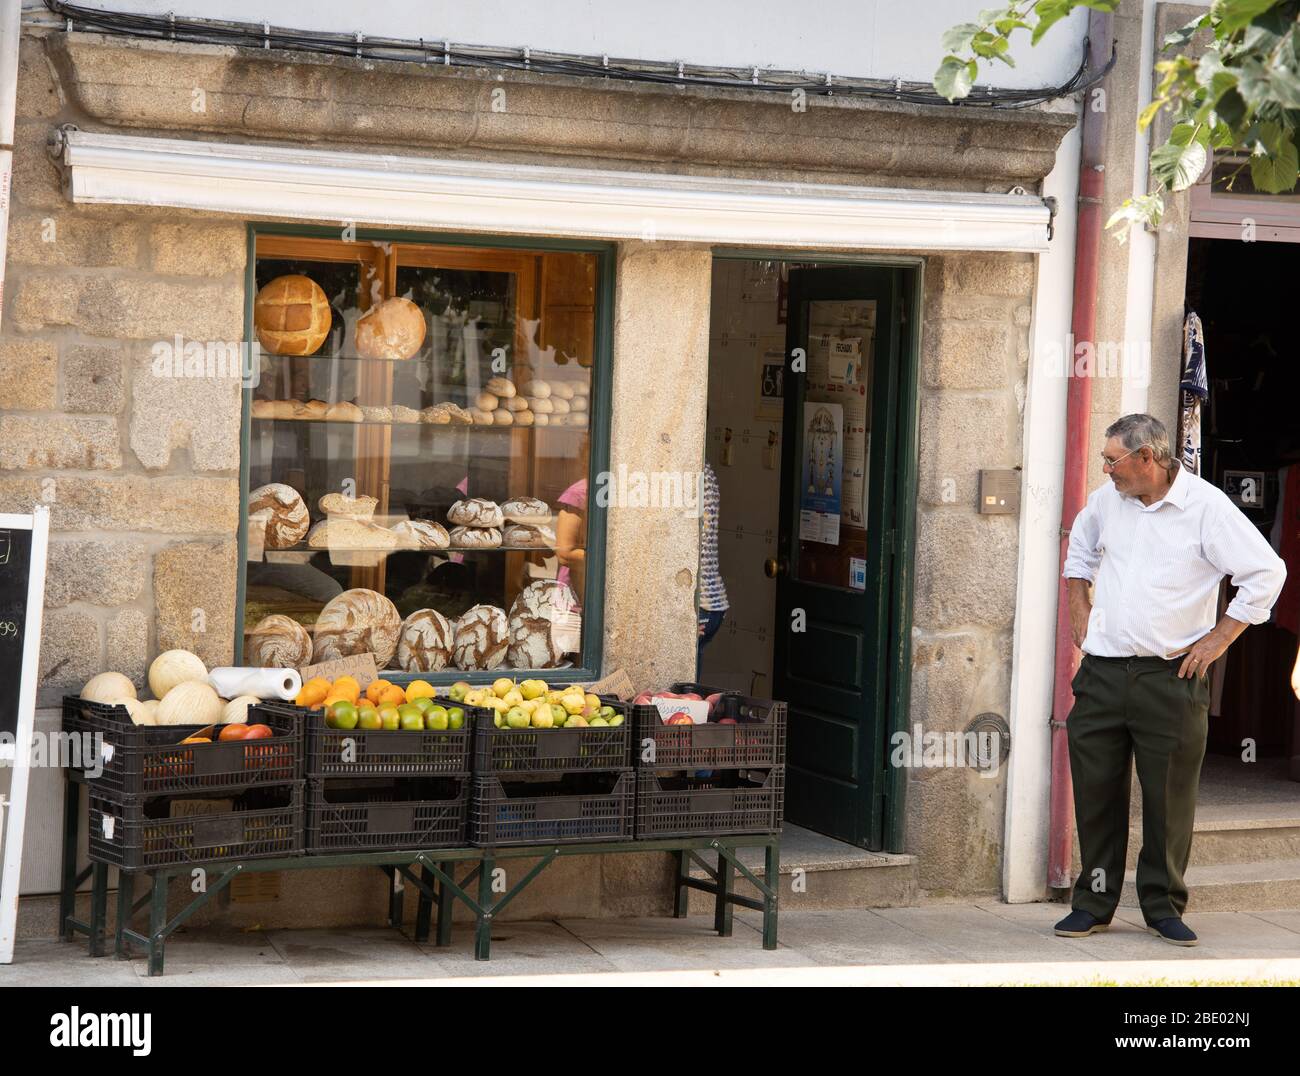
{"type": "Point", "coordinates": [836, 544]}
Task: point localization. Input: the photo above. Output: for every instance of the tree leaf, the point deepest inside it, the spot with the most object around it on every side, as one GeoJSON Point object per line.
{"type": "Point", "coordinates": [1236, 14]}
{"type": "Point", "coordinates": [1274, 162]}
{"type": "Point", "coordinates": [958, 38]}
{"type": "Point", "coordinates": [955, 78]}
{"type": "Point", "coordinates": [1177, 166]}
{"type": "Point", "coordinates": [1049, 13]}
{"type": "Point", "coordinates": [1231, 108]}
{"type": "Point", "coordinates": [1176, 39]}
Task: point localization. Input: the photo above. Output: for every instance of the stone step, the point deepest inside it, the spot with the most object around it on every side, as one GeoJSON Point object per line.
{"type": "Point", "coordinates": [818, 872]}
{"type": "Point", "coordinates": [1236, 836]}
{"type": "Point", "coordinates": [1261, 885]}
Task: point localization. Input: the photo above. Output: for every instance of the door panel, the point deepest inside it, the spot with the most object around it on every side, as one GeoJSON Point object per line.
{"type": "Point", "coordinates": [834, 545]}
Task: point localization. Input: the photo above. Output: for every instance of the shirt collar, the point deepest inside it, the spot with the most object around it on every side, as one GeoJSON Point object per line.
{"type": "Point", "coordinates": [1176, 494]}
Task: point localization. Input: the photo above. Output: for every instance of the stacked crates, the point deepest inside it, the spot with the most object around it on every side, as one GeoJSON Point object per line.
{"type": "Point", "coordinates": [714, 778]}
{"type": "Point", "coordinates": [552, 786]}
{"type": "Point", "coordinates": [156, 802]}
{"type": "Point", "coordinates": [383, 790]}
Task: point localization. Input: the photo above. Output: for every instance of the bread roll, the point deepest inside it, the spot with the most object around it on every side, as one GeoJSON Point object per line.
{"type": "Point", "coordinates": [502, 417]}
{"type": "Point", "coordinates": [578, 403]}
{"type": "Point", "coordinates": [289, 518]}
{"type": "Point", "coordinates": [560, 406]}
{"type": "Point", "coordinates": [344, 412]}
{"type": "Point", "coordinates": [425, 641]}
{"type": "Point", "coordinates": [501, 386]}
{"type": "Point", "coordinates": [475, 512]}
{"type": "Point", "coordinates": [405, 414]}
{"type": "Point", "coordinates": [481, 638]}
{"type": "Point", "coordinates": [516, 404]}
{"type": "Point", "coordinates": [486, 401]}
{"type": "Point", "coordinates": [581, 388]}
{"type": "Point", "coordinates": [356, 622]}
{"type": "Point", "coordinates": [577, 418]}
{"type": "Point", "coordinates": [278, 642]}
{"type": "Point", "coordinates": [291, 316]}
{"type": "Point", "coordinates": [339, 504]}
{"type": "Point", "coordinates": [392, 330]}
{"type": "Point", "coordinates": [562, 390]}
{"type": "Point", "coordinates": [311, 409]}
{"type": "Point", "coordinates": [481, 418]}
{"type": "Point", "coordinates": [540, 389]}
{"type": "Point", "coordinates": [541, 406]}
{"type": "Point", "coordinates": [475, 537]}
{"type": "Point", "coordinates": [459, 416]}
{"type": "Point", "coordinates": [421, 534]}
{"type": "Point", "coordinates": [523, 418]}
{"type": "Point", "coordinates": [540, 420]}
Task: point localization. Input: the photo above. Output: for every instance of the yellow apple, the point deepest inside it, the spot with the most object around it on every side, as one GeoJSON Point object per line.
{"type": "Point", "coordinates": [501, 686]}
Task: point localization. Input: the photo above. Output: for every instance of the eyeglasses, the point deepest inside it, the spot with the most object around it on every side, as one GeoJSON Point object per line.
{"type": "Point", "coordinates": [1106, 461]}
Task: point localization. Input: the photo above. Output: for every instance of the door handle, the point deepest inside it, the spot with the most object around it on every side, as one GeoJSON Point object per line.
{"type": "Point", "coordinates": [773, 566]}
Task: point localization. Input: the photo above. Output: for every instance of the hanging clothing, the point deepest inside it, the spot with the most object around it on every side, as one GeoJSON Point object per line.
{"type": "Point", "coordinates": [1195, 387]}
{"type": "Point", "coordinates": [1286, 540]}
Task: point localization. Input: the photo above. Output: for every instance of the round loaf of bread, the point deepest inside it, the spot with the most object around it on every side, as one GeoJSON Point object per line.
{"type": "Point", "coordinates": [340, 504]}
{"type": "Point", "coordinates": [424, 644]}
{"type": "Point", "coordinates": [475, 512]}
{"type": "Point", "coordinates": [356, 622]}
{"type": "Point", "coordinates": [526, 510]}
{"type": "Point", "coordinates": [291, 316]}
{"type": "Point", "coordinates": [480, 641]}
{"type": "Point", "coordinates": [392, 330]}
{"type": "Point", "coordinates": [475, 537]}
{"type": "Point", "coordinates": [532, 625]}
{"type": "Point", "coordinates": [421, 534]}
{"type": "Point", "coordinates": [289, 517]}
{"type": "Point", "coordinates": [521, 534]}
{"type": "Point", "coordinates": [278, 642]}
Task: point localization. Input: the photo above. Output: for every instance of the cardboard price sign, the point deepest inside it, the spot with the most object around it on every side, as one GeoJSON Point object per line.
{"type": "Point", "coordinates": [617, 684]}
{"type": "Point", "coordinates": [360, 666]}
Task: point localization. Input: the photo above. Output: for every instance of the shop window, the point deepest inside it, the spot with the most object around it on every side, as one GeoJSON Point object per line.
{"type": "Point", "coordinates": [419, 450]}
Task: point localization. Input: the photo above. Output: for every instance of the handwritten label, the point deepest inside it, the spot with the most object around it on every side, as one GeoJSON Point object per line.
{"type": "Point", "coordinates": [360, 666]}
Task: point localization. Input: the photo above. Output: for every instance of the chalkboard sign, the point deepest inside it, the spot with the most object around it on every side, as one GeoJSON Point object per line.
{"type": "Point", "coordinates": [15, 573]}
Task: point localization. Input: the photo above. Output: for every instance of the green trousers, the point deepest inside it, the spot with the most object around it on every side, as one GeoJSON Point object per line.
{"type": "Point", "coordinates": [1127, 709]}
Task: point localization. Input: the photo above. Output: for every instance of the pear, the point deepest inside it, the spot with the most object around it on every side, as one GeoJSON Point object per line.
{"type": "Point", "coordinates": [501, 685]}
{"type": "Point", "coordinates": [573, 703]}
{"type": "Point", "coordinates": [541, 718]}
{"type": "Point", "coordinates": [513, 697]}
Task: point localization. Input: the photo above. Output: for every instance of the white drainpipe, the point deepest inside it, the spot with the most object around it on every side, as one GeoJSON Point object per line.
{"type": "Point", "coordinates": [10, 33]}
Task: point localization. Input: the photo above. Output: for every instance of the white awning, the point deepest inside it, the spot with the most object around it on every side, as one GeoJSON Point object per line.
{"type": "Point", "coordinates": [255, 181]}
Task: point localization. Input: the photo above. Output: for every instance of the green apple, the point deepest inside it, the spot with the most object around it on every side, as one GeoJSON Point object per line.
{"type": "Point", "coordinates": [455, 718]}
{"type": "Point", "coordinates": [598, 723]}
{"type": "Point", "coordinates": [560, 714]}
{"type": "Point", "coordinates": [615, 721]}
{"type": "Point", "coordinates": [607, 712]}
{"type": "Point", "coordinates": [458, 691]}
{"type": "Point", "coordinates": [424, 702]}
{"type": "Point", "coordinates": [437, 718]}
{"type": "Point", "coordinates": [516, 718]}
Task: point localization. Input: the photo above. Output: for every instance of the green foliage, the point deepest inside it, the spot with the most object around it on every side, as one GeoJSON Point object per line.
{"type": "Point", "coordinates": [1242, 95]}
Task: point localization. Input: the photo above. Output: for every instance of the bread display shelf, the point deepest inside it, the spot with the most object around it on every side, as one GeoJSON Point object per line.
{"type": "Point", "coordinates": [299, 553]}
{"type": "Point", "coordinates": [478, 427]}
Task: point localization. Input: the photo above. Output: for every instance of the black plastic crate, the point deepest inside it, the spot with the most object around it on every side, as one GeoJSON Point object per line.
{"type": "Point", "coordinates": [755, 741]}
{"type": "Point", "coordinates": [143, 834]}
{"type": "Point", "coordinates": [388, 752]}
{"type": "Point", "coordinates": [387, 815]}
{"type": "Point", "coordinates": [729, 801]}
{"type": "Point", "coordinates": [562, 750]}
{"type": "Point", "coordinates": [585, 806]}
{"type": "Point", "coordinates": [140, 761]}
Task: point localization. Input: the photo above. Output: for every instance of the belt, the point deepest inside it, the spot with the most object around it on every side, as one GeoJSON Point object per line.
{"type": "Point", "coordinates": [1141, 661]}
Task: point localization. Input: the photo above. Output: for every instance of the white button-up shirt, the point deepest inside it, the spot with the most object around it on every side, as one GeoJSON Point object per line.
{"type": "Point", "coordinates": [1156, 568]}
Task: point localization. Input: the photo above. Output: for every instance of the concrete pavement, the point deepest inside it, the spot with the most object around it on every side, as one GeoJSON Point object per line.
{"type": "Point", "coordinates": [935, 944]}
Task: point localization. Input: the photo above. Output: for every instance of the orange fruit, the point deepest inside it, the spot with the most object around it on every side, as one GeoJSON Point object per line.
{"type": "Point", "coordinates": [376, 688]}
{"type": "Point", "coordinates": [313, 692]}
{"type": "Point", "coordinates": [332, 698]}
{"type": "Point", "coordinates": [418, 689]}
{"type": "Point", "coordinates": [347, 687]}
{"type": "Point", "coordinates": [393, 694]}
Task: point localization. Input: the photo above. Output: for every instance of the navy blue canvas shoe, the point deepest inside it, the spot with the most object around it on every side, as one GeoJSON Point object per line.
{"type": "Point", "coordinates": [1079, 924]}
{"type": "Point", "coordinates": [1174, 931]}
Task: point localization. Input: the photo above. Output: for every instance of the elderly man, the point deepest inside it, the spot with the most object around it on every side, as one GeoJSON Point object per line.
{"type": "Point", "coordinates": [1155, 541]}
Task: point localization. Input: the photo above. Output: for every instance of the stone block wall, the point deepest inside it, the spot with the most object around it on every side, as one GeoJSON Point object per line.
{"type": "Point", "coordinates": [140, 471]}
{"type": "Point", "coordinates": [973, 379]}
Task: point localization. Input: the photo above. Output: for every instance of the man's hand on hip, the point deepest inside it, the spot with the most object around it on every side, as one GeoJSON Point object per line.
{"type": "Point", "coordinates": [1209, 648]}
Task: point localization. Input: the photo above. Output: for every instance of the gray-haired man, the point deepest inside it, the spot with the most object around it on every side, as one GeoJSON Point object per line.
{"type": "Point", "coordinates": [1156, 541]}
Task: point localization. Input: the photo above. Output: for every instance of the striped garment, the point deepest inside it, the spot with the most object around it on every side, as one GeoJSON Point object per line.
{"type": "Point", "coordinates": [713, 594]}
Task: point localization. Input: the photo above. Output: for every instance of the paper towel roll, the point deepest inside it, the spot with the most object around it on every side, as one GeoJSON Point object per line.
{"type": "Point", "coordinates": [264, 683]}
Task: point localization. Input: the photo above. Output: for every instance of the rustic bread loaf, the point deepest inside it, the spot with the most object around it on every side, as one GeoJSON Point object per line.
{"type": "Point", "coordinates": [356, 622]}
{"type": "Point", "coordinates": [289, 517]}
{"type": "Point", "coordinates": [480, 641]}
{"type": "Point", "coordinates": [425, 641]}
{"type": "Point", "coordinates": [278, 642]}
{"type": "Point", "coordinates": [475, 512]}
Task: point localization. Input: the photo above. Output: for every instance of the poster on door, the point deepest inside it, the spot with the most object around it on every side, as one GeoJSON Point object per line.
{"type": "Point", "coordinates": [822, 479]}
{"type": "Point", "coordinates": [840, 342]}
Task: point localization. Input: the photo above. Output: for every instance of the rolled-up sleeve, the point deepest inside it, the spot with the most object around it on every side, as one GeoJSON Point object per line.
{"type": "Point", "coordinates": [1084, 555]}
{"type": "Point", "coordinates": [1238, 550]}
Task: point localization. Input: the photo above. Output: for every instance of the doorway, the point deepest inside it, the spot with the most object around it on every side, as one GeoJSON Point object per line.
{"type": "Point", "coordinates": [810, 435]}
{"type": "Point", "coordinates": [1250, 440]}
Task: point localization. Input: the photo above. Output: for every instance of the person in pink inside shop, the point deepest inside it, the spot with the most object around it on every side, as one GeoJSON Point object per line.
{"type": "Point", "coordinates": [571, 537]}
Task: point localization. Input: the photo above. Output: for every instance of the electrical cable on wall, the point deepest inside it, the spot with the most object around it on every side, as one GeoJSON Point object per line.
{"type": "Point", "coordinates": [675, 73]}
